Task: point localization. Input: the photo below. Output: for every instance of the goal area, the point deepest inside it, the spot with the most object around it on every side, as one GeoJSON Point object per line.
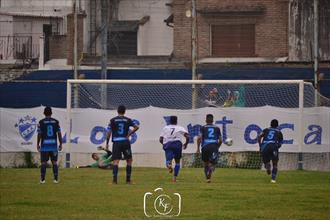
{"type": "Point", "coordinates": [241, 108]}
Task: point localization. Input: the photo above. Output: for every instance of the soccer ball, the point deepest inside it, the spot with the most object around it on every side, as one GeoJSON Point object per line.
{"type": "Point", "coordinates": [229, 141]}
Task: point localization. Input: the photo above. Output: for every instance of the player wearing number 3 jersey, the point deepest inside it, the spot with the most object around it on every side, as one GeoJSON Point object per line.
{"type": "Point", "coordinates": [48, 132]}
{"type": "Point", "coordinates": [270, 140]}
{"type": "Point", "coordinates": [119, 129]}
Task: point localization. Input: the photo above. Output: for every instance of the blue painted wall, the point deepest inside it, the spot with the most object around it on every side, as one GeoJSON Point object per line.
{"type": "Point", "coordinates": [25, 95]}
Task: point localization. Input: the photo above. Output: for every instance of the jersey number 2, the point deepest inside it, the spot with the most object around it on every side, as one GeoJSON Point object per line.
{"type": "Point", "coordinates": [211, 132]}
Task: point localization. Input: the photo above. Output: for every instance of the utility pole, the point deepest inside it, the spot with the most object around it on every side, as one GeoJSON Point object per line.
{"type": "Point", "coordinates": [104, 44]}
{"type": "Point", "coordinates": [316, 50]}
{"type": "Point", "coordinates": [194, 52]}
{"type": "Point", "coordinates": [75, 54]}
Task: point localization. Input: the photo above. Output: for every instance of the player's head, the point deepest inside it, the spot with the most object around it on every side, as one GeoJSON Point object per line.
{"type": "Point", "coordinates": [95, 156]}
{"type": "Point", "coordinates": [173, 120]}
{"type": "Point", "coordinates": [274, 123]}
{"type": "Point", "coordinates": [121, 109]}
{"type": "Point", "coordinates": [209, 119]}
{"type": "Point", "coordinates": [48, 111]}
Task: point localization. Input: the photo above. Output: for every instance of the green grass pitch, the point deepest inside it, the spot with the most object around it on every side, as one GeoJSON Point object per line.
{"type": "Point", "coordinates": [233, 194]}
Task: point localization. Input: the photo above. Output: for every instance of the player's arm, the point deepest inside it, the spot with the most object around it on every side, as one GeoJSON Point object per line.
{"type": "Point", "coordinates": [260, 137]}
{"type": "Point", "coordinates": [199, 141]}
{"type": "Point", "coordinates": [186, 135]}
{"type": "Point", "coordinates": [161, 140]}
{"type": "Point", "coordinates": [280, 140]}
{"type": "Point", "coordinates": [130, 132]}
{"type": "Point", "coordinates": [108, 139]}
{"type": "Point", "coordinates": [59, 137]}
{"type": "Point", "coordinates": [38, 138]}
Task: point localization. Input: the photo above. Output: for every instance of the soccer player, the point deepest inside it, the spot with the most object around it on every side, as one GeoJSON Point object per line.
{"type": "Point", "coordinates": [210, 141]}
{"type": "Point", "coordinates": [49, 132]}
{"type": "Point", "coordinates": [119, 129]}
{"type": "Point", "coordinates": [170, 138]}
{"type": "Point", "coordinates": [102, 162]}
{"type": "Point", "coordinates": [270, 140]}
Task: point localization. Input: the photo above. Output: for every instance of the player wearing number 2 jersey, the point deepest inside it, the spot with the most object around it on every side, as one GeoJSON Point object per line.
{"type": "Point", "coordinates": [119, 129]}
{"type": "Point", "coordinates": [270, 140]}
{"type": "Point", "coordinates": [48, 132]}
{"type": "Point", "coordinates": [170, 138]}
{"type": "Point", "coordinates": [210, 140]}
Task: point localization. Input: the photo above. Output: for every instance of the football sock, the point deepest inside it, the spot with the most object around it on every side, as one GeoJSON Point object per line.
{"type": "Point", "coordinates": [274, 173]}
{"type": "Point", "coordinates": [206, 170]}
{"type": "Point", "coordinates": [43, 171]}
{"type": "Point", "coordinates": [128, 173]}
{"type": "Point", "coordinates": [55, 171]}
{"type": "Point", "coordinates": [176, 169]}
{"type": "Point", "coordinates": [115, 172]}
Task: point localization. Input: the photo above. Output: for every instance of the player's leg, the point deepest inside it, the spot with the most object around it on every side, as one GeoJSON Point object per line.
{"type": "Point", "coordinates": [266, 160]}
{"type": "Point", "coordinates": [53, 158]}
{"type": "Point", "coordinates": [214, 157]}
{"type": "Point", "coordinates": [205, 159]}
{"type": "Point", "coordinates": [274, 162]}
{"type": "Point", "coordinates": [127, 152]}
{"type": "Point", "coordinates": [169, 155]}
{"type": "Point", "coordinates": [116, 156]}
{"type": "Point", "coordinates": [177, 157]}
{"type": "Point", "coordinates": [44, 156]}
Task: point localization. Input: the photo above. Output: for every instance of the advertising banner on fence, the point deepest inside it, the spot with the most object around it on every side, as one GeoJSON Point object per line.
{"type": "Point", "coordinates": [18, 127]}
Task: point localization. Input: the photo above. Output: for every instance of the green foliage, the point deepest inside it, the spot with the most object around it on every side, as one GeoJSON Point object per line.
{"type": "Point", "coordinates": [29, 161]}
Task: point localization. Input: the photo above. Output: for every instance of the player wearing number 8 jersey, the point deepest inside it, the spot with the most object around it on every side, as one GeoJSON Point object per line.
{"type": "Point", "coordinates": [270, 140]}
{"type": "Point", "coordinates": [170, 138]}
{"type": "Point", "coordinates": [48, 132]}
{"type": "Point", "coordinates": [119, 129]}
{"type": "Point", "coordinates": [210, 140]}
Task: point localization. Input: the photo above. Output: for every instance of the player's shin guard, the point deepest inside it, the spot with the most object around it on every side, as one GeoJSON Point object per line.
{"type": "Point", "coordinates": [176, 170]}
{"type": "Point", "coordinates": [274, 173]}
{"type": "Point", "coordinates": [43, 171]}
{"type": "Point", "coordinates": [55, 171]}
{"type": "Point", "coordinates": [128, 173]}
{"type": "Point", "coordinates": [115, 173]}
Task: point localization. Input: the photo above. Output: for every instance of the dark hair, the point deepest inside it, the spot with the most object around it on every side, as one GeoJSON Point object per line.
{"type": "Point", "coordinates": [274, 123]}
{"type": "Point", "coordinates": [121, 109]}
{"type": "Point", "coordinates": [173, 120]}
{"type": "Point", "coordinates": [48, 111]}
{"type": "Point", "coordinates": [209, 118]}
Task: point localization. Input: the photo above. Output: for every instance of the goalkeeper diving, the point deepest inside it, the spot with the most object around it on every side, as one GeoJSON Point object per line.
{"type": "Point", "coordinates": [103, 162]}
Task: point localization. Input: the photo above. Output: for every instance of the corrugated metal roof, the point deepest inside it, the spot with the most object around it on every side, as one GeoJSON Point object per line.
{"type": "Point", "coordinates": [31, 14]}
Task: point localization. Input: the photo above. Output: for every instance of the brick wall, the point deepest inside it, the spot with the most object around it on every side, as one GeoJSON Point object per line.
{"type": "Point", "coordinates": [57, 47]}
{"type": "Point", "coordinates": [271, 27]}
{"type": "Point", "coordinates": [70, 37]}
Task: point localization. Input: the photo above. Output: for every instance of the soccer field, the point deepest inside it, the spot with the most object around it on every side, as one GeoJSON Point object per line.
{"type": "Point", "coordinates": [233, 194]}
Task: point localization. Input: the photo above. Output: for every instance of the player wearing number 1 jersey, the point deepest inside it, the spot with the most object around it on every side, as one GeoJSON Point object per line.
{"type": "Point", "coordinates": [119, 129]}
{"type": "Point", "coordinates": [170, 138]}
{"type": "Point", "coordinates": [48, 132]}
{"type": "Point", "coordinates": [210, 140]}
{"type": "Point", "coordinates": [270, 140]}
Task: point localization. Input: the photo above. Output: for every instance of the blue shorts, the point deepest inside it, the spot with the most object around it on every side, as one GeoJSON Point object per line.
{"type": "Point", "coordinates": [45, 155]}
{"type": "Point", "coordinates": [173, 150]}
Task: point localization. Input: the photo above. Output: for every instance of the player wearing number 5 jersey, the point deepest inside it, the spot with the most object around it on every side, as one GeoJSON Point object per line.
{"type": "Point", "coordinates": [270, 140]}
{"type": "Point", "coordinates": [49, 132]}
{"type": "Point", "coordinates": [119, 129]}
{"type": "Point", "coordinates": [210, 140]}
{"type": "Point", "coordinates": [170, 138]}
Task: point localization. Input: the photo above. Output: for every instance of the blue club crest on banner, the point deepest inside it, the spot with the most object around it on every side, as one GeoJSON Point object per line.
{"type": "Point", "coordinates": [26, 127]}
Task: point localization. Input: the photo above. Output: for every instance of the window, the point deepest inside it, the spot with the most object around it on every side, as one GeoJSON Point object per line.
{"type": "Point", "coordinates": [233, 40]}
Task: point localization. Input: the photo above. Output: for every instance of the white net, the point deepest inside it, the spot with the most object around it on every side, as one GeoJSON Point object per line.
{"type": "Point", "coordinates": [201, 94]}
{"type": "Point", "coordinates": [185, 95]}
